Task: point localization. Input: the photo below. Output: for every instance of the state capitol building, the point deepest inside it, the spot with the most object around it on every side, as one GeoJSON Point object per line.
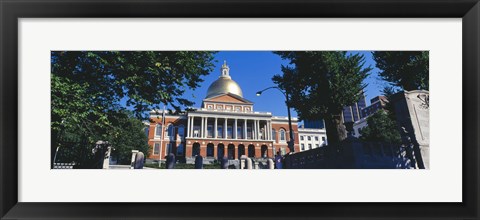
{"type": "Point", "coordinates": [226, 125]}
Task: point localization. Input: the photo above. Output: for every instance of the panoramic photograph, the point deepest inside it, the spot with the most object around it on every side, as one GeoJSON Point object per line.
{"type": "Point", "coordinates": [240, 110]}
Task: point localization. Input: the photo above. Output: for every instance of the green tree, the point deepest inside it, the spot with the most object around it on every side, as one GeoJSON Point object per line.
{"type": "Point", "coordinates": [89, 89]}
{"type": "Point", "coordinates": [321, 83]}
{"type": "Point", "coordinates": [381, 128]}
{"type": "Point", "coordinates": [405, 69]}
{"type": "Point", "coordinates": [127, 136]}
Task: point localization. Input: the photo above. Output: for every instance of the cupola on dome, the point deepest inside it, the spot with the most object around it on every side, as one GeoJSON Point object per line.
{"type": "Point", "coordinates": [224, 84]}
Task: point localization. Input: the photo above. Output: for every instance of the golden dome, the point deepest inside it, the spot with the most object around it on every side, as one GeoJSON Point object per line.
{"type": "Point", "coordinates": [224, 84]}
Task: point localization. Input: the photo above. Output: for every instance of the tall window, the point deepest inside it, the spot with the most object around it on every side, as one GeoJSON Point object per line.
{"type": "Point", "coordinates": [282, 136]}
{"type": "Point", "coordinates": [274, 134]}
{"type": "Point", "coordinates": [229, 132]}
{"type": "Point", "coordinates": [303, 146]}
{"type": "Point", "coordinates": [196, 131]}
{"type": "Point", "coordinates": [249, 132]}
{"type": "Point", "coordinates": [301, 138]}
{"type": "Point", "coordinates": [156, 148]}
{"type": "Point", "coordinates": [158, 131]}
{"type": "Point", "coordinates": [210, 131]}
{"type": "Point", "coordinates": [220, 131]}
{"type": "Point", "coordinates": [309, 146]}
{"type": "Point", "coordinates": [316, 138]}
{"type": "Point", "coordinates": [239, 132]}
{"type": "Point", "coordinates": [309, 138]}
{"type": "Point", "coordinates": [147, 129]}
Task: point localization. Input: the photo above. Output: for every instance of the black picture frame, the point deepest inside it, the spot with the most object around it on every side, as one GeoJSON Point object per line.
{"type": "Point", "coordinates": [12, 10]}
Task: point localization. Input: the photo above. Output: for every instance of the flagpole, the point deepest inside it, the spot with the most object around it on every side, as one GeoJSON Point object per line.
{"type": "Point", "coordinates": [161, 137]}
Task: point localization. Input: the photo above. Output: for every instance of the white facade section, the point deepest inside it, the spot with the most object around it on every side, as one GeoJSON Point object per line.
{"type": "Point", "coordinates": [358, 126]}
{"type": "Point", "coordinates": [311, 138]}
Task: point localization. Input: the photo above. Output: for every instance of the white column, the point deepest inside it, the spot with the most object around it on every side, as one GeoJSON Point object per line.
{"type": "Point", "coordinates": [202, 125]}
{"type": "Point", "coordinates": [255, 123]}
{"type": "Point", "coordinates": [265, 131]}
{"type": "Point", "coordinates": [253, 129]}
{"type": "Point", "coordinates": [205, 128]}
{"type": "Point", "coordinates": [245, 129]}
{"type": "Point", "coordinates": [258, 131]}
{"type": "Point", "coordinates": [271, 131]}
{"type": "Point", "coordinates": [188, 126]}
{"type": "Point", "coordinates": [191, 125]}
{"type": "Point", "coordinates": [225, 129]}
{"type": "Point", "coordinates": [215, 129]}
{"type": "Point", "coordinates": [235, 129]}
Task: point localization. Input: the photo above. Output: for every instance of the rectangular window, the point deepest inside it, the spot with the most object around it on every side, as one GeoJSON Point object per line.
{"type": "Point", "coordinates": [309, 146]}
{"type": "Point", "coordinates": [219, 131]}
{"type": "Point", "coordinates": [323, 138]}
{"type": "Point", "coordinates": [229, 132]}
{"type": "Point", "coordinates": [158, 131]}
{"type": "Point", "coordinates": [156, 148]}
{"type": "Point", "coordinates": [282, 136]}
{"type": "Point", "coordinates": [303, 146]}
{"type": "Point", "coordinates": [210, 131]}
{"type": "Point", "coordinates": [309, 138]}
{"type": "Point", "coordinates": [196, 131]}
{"type": "Point", "coordinates": [239, 132]}
{"type": "Point", "coordinates": [301, 138]}
{"type": "Point", "coordinates": [249, 132]}
{"type": "Point", "coordinates": [146, 131]}
{"type": "Point", "coordinates": [316, 138]}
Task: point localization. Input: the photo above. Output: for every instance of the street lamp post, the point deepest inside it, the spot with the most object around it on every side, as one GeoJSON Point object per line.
{"type": "Point", "coordinates": [292, 139]}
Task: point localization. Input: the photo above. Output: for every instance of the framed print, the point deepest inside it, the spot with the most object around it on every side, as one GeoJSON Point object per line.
{"type": "Point", "coordinates": [193, 92]}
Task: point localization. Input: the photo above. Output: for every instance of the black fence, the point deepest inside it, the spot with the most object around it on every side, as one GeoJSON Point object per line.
{"type": "Point", "coordinates": [351, 154]}
{"type": "Point", "coordinates": [78, 153]}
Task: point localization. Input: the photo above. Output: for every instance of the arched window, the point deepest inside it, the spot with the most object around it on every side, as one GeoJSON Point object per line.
{"type": "Point", "coordinates": [158, 131]}
{"type": "Point", "coordinates": [274, 134]}
{"type": "Point", "coordinates": [282, 136]}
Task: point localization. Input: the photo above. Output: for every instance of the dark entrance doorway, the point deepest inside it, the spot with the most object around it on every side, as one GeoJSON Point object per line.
{"type": "Point", "coordinates": [220, 151]}
{"type": "Point", "coordinates": [210, 150]}
{"type": "Point", "coordinates": [264, 150]}
{"type": "Point", "coordinates": [231, 151]}
{"type": "Point", "coordinates": [241, 150]}
{"type": "Point", "coordinates": [251, 150]}
{"type": "Point", "coordinates": [196, 149]}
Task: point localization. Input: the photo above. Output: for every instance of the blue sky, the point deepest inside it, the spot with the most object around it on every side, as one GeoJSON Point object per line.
{"type": "Point", "coordinates": [253, 71]}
